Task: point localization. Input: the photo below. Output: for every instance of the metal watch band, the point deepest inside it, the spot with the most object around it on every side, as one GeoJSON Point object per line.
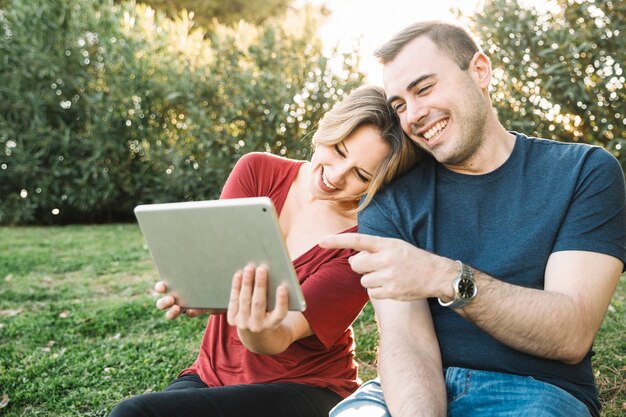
{"type": "Point", "coordinates": [464, 271]}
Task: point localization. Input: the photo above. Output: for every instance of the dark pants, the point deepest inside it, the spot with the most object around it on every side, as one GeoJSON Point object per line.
{"type": "Point", "coordinates": [188, 396]}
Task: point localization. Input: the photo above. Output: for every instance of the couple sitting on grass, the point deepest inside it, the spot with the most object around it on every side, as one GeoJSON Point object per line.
{"type": "Point", "coordinates": [490, 258]}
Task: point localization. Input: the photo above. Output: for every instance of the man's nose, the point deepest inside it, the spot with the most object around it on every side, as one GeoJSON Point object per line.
{"type": "Point", "coordinates": [416, 113]}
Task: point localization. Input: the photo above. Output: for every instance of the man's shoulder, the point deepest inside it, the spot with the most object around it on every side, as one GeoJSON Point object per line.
{"type": "Point", "coordinates": [408, 187]}
{"type": "Point", "coordinates": [557, 153]}
{"type": "Point", "coordinates": [552, 146]}
{"type": "Point", "coordinates": [409, 192]}
{"type": "Point", "coordinates": [421, 173]}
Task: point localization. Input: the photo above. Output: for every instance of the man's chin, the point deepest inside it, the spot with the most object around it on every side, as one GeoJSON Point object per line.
{"type": "Point", "coordinates": [423, 146]}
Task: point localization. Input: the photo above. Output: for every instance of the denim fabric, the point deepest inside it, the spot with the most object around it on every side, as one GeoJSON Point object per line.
{"type": "Point", "coordinates": [477, 393]}
{"type": "Point", "coordinates": [367, 401]}
{"type": "Point", "coordinates": [482, 393]}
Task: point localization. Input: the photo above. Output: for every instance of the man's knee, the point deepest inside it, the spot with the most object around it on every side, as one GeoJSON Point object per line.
{"type": "Point", "coordinates": [359, 409]}
{"type": "Point", "coordinates": [367, 401]}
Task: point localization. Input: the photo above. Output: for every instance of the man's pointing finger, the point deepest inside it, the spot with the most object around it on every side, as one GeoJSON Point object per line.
{"type": "Point", "coordinates": [356, 241]}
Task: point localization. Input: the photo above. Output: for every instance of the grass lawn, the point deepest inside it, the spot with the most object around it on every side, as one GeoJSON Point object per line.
{"type": "Point", "coordinates": [79, 330]}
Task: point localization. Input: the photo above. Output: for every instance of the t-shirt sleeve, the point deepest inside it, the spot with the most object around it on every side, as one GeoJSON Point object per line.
{"type": "Point", "coordinates": [334, 297]}
{"type": "Point", "coordinates": [596, 217]}
{"type": "Point", "coordinates": [374, 221]}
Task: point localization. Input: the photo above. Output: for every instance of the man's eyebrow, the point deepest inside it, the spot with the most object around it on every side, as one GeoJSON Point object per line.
{"type": "Point", "coordinates": [409, 87]}
{"type": "Point", "coordinates": [418, 80]}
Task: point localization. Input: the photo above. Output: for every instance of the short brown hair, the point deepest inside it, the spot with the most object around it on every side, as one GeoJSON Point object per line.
{"type": "Point", "coordinates": [367, 106]}
{"type": "Point", "coordinates": [454, 40]}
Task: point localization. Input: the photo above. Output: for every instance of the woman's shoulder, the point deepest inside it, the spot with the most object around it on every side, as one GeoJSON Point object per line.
{"type": "Point", "coordinates": [269, 160]}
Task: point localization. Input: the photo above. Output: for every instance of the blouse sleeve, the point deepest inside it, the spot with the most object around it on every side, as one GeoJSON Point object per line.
{"type": "Point", "coordinates": [334, 297]}
{"type": "Point", "coordinates": [243, 180]}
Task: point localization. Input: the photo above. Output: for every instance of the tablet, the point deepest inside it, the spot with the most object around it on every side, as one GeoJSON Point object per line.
{"type": "Point", "coordinates": [198, 246]}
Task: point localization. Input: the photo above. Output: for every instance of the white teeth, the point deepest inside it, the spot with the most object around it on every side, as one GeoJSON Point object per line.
{"type": "Point", "coordinates": [325, 182]}
{"type": "Point", "coordinates": [435, 129]}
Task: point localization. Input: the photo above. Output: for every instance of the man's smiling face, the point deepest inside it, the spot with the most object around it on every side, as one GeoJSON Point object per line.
{"type": "Point", "coordinates": [441, 107]}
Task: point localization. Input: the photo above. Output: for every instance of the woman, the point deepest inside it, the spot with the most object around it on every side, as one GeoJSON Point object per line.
{"type": "Point", "coordinates": [280, 363]}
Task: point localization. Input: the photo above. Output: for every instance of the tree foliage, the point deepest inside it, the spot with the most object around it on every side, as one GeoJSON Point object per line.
{"type": "Point", "coordinates": [105, 106]}
{"type": "Point", "coordinates": [560, 74]}
{"type": "Point", "coordinates": [226, 12]}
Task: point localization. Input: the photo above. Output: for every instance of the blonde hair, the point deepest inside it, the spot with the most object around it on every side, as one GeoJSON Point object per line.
{"type": "Point", "coordinates": [367, 106]}
{"type": "Point", "coordinates": [454, 40]}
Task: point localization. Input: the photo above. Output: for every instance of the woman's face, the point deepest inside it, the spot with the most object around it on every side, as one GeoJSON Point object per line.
{"type": "Point", "coordinates": [342, 172]}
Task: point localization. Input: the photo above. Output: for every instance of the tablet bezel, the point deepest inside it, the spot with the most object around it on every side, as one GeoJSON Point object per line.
{"type": "Point", "coordinates": [197, 246]}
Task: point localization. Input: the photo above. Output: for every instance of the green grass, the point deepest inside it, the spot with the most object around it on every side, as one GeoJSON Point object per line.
{"type": "Point", "coordinates": [79, 330]}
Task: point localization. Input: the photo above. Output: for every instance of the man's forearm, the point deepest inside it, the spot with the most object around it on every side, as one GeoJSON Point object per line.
{"type": "Point", "coordinates": [537, 322]}
{"type": "Point", "coordinates": [411, 387]}
{"type": "Point", "coordinates": [409, 360]}
{"type": "Point", "coordinates": [558, 322]}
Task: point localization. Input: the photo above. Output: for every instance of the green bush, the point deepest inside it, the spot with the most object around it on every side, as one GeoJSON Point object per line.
{"type": "Point", "coordinates": [559, 74]}
{"type": "Point", "coordinates": [231, 11]}
{"type": "Point", "coordinates": [104, 106]}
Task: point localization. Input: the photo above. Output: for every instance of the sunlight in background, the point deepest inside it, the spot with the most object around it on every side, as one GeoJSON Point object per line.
{"type": "Point", "coordinates": [368, 24]}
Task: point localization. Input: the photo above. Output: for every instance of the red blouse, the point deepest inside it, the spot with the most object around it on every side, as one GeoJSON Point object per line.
{"type": "Point", "coordinates": [333, 294]}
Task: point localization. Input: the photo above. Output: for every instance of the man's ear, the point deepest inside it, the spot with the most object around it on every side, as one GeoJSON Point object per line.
{"type": "Point", "coordinates": [480, 69]}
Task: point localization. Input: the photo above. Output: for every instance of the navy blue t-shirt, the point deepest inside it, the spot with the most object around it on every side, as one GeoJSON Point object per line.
{"type": "Point", "coordinates": [547, 197]}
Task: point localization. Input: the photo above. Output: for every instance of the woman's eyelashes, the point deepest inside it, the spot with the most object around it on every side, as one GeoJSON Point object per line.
{"type": "Point", "coordinates": [339, 151]}
{"type": "Point", "coordinates": [357, 172]}
{"type": "Point", "coordinates": [360, 176]}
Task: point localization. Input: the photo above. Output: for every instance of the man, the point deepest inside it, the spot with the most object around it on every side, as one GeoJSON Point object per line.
{"type": "Point", "coordinates": [493, 261]}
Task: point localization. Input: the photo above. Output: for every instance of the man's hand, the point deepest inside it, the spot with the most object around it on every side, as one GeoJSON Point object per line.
{"type": "Point", "coordinates": [393, 268]}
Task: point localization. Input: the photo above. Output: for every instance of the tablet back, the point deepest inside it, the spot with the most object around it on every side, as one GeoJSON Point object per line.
{"type": "Point", "coordinates": [198, 246]}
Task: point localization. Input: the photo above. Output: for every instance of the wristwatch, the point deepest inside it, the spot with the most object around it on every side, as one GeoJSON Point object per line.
{"type": "Point", "coordinates": [464, 288]}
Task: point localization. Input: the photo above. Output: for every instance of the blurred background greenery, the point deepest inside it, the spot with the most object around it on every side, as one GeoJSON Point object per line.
{"type": "Point", "coordinates": [104, 105]}
{"type": "Point", "coordinates": [107, 104]}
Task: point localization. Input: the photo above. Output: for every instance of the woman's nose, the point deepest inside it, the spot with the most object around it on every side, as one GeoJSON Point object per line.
{"type": "Point", "coordinates": [337, 174]}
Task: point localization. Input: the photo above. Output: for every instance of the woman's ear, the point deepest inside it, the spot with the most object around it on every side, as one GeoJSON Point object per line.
{"type": "Point", "coordinates": [480, 69]}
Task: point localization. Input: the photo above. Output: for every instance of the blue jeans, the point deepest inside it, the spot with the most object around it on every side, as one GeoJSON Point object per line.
{"type": "Point", "coordinates": [477, 393]}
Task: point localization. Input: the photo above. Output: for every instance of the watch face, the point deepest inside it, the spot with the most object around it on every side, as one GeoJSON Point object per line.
{"type": "Point", "coordinates": [467, 289]}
